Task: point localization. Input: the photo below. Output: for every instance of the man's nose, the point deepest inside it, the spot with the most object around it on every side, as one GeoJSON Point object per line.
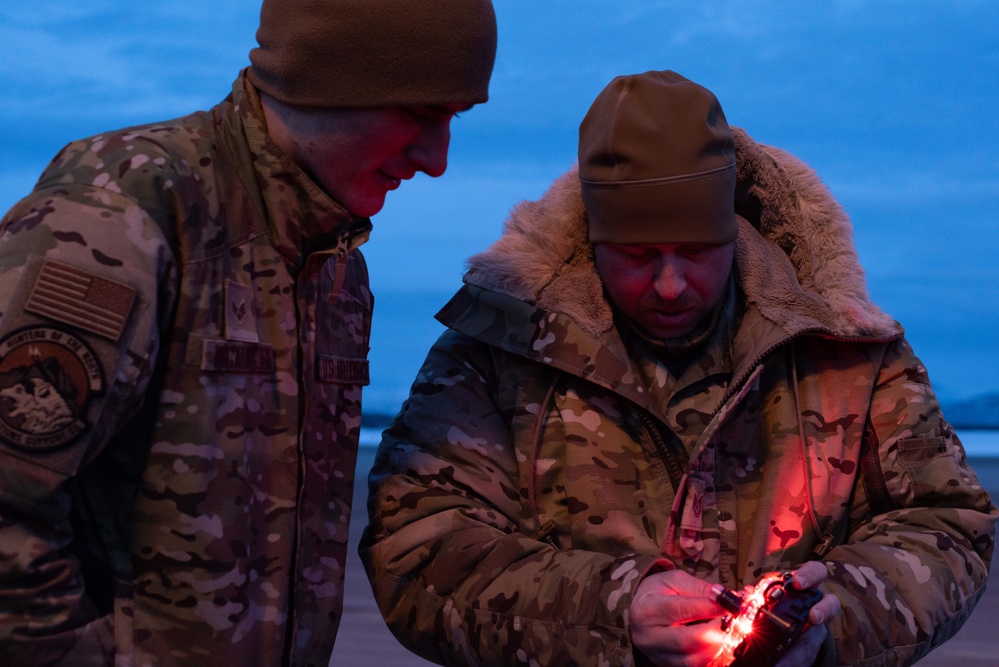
{"type": "Point", "coordinates": [429, 152]}
{"type": "Point", "coordinates": [670, 281]}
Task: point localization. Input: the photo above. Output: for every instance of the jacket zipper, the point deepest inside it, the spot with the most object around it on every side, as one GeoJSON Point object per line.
{"type": "Point", "coordinates": [542, 532]}
{"type": "Point", "coordinates": [669, 456]}
{"type": "Point", "coordinates": [733, 388]}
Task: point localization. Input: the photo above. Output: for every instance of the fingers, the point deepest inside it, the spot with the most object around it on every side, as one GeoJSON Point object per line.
{"type": "Point", "coordinates": [675, 618]}
{"type": "Point", "coordinates": [667, 619]}
{"type": "Point", "coordinates": [677, 645]}
{"type": "Point", "coordinates": [674, 597]}
{"type": "Point", "coordinates": [679, 582]}
{"type": "Point", "coordinates": [824, 610]}
{"type": "Point", "coordinates": [810, 574]}
{"type": "Point", "coordinates": [806, 648]}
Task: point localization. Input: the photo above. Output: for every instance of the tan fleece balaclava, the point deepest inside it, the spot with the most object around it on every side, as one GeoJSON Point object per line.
{"type": "Point", "coordinates": [367, 53]}
{"type": "Point", "coordinates": [657, 163]}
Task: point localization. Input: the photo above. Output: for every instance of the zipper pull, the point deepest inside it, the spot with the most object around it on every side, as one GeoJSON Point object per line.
{"type": "Point", "coordinates": [824, 547]}
{"type": "Point", "coordinates": [542, 533]}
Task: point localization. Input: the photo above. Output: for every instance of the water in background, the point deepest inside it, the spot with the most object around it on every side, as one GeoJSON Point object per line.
{"type": "Point", "coordinates": [403, 329]}
{"type": "Point", "coordinates": [982, 444]}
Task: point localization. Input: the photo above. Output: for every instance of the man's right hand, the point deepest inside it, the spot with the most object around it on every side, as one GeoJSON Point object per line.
{"type": "Point", "coordinates": [664, 617]}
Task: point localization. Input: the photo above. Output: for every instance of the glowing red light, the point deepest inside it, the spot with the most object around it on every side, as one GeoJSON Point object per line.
{"type": "Point", "coordinates": [739, 626]}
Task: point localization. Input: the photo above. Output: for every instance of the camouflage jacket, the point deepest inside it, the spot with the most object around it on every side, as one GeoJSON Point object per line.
{"type": "Point", "coordinates": [180, 388]}
{"type": "Point", "coordinates": [542, 465]}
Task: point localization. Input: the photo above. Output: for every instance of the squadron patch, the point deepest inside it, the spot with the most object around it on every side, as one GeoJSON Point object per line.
{"type": "Point", "coordinates": [47, 377]}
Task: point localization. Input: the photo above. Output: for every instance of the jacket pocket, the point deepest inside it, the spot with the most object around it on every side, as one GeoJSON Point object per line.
{"type": "Point", "coordinates": [930, 462]}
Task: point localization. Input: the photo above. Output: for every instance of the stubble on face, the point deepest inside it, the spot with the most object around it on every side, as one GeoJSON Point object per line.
{"type": "Point", "coordinates": [636, 276]}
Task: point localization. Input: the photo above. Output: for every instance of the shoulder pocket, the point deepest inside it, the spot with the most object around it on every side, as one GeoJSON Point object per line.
{"type": "Point", "coordinates": [929, 460]}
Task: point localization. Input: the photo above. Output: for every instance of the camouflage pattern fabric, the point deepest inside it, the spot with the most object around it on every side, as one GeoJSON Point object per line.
{"type": "Point", "coordinates": [180, 396]}
{"type": "Point", "coordinates": [543, 463]}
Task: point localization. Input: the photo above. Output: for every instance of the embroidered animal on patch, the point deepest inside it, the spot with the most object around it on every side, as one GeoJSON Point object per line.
{"type": "Point", "coordinates": [38, 405]}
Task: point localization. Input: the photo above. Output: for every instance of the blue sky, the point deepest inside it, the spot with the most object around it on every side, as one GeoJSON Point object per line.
{"type": "Point", "coordinates": [891, 101]}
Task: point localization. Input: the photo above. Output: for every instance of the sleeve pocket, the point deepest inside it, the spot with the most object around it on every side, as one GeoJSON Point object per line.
{"type": "Point", "coordinates": [932, 463]}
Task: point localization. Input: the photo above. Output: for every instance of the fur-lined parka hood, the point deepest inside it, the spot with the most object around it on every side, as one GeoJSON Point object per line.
{"type": "Point", "coordinates": [795, 258]}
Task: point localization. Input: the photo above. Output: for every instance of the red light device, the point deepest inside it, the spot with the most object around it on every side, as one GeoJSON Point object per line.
{"type": "Point", "coordinates": [765, 621]}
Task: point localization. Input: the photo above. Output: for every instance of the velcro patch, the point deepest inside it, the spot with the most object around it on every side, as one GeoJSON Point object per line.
{"type": "Point", "coordinates": [81, 299]}
{"type": "Point", "coordinates": [342, 371]}
{"type": "Point", "coordinates": [239, 321]}
{"type": "Point", "coordinates": [226, 356]}
{"type": "Point", "coordinates": [47, 378]}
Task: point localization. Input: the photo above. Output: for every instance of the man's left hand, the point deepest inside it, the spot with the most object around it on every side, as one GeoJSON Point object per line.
{"type": "Point", "coordinates": [805, 649]}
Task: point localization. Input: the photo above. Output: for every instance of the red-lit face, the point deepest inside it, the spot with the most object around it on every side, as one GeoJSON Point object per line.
{"type": "Point", "coordinates": [358, 155]}
{"type": "Point", "coordinates": [665, 288]}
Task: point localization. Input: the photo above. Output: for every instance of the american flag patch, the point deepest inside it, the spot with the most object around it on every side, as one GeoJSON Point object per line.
{"type": "Point", "coordinates": [81, 299]}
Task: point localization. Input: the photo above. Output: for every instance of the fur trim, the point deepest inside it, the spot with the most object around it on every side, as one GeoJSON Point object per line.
{"type": "Point", "coordinates": [797, 262]}
{"type": "Point", "coordinates": [545, 258]}
{"type": "Point", "coordinates": [798, 214]}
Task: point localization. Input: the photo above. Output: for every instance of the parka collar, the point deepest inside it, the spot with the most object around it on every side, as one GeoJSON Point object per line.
{"type": "Point", "coordinates": [300, 216]}
{"type": "Point", "coordinates": [795, 258]}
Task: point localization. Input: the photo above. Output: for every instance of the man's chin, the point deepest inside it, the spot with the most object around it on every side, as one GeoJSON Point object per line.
{"type": "Point", "coordinates": [672, 327]}
{"type": "Point", "coordinates": [368, 207]}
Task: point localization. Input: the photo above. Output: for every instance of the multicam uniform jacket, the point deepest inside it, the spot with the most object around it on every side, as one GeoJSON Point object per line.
{"type": "Point", "coordinates": [542, 466]}
{"type": "Point", "coordinates": [180, 387]}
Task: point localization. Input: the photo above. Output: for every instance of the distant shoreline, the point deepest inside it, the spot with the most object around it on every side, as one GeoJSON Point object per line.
{"type": "Point", "coordinates": [376, 420]}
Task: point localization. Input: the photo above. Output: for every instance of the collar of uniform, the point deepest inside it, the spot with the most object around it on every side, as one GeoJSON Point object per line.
{"type": "Point", "coordinates": [301, 218]}
{"type": "Point", "coordinates": [703, 354]}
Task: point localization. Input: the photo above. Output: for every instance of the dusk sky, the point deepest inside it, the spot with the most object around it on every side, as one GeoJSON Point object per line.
{"type": "Point", "coordinates": [892, 102]}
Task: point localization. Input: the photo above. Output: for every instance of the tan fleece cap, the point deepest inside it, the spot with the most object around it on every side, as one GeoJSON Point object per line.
{"type": "Point", "coordinates": [367, 53]}
{"type": "Point", "coordinates": [657, 163]}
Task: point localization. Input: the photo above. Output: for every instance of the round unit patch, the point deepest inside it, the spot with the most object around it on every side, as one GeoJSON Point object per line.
{"type": "Point", "coordinates": [47, 376]}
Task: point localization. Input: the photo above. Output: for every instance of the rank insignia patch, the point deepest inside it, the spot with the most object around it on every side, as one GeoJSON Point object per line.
{"type": "Point", "coordinates": [47, 377]}
{"type": "Point", "coordinates": [81, 299]}
{"type": "Point", "coordinates": [239, 321]}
